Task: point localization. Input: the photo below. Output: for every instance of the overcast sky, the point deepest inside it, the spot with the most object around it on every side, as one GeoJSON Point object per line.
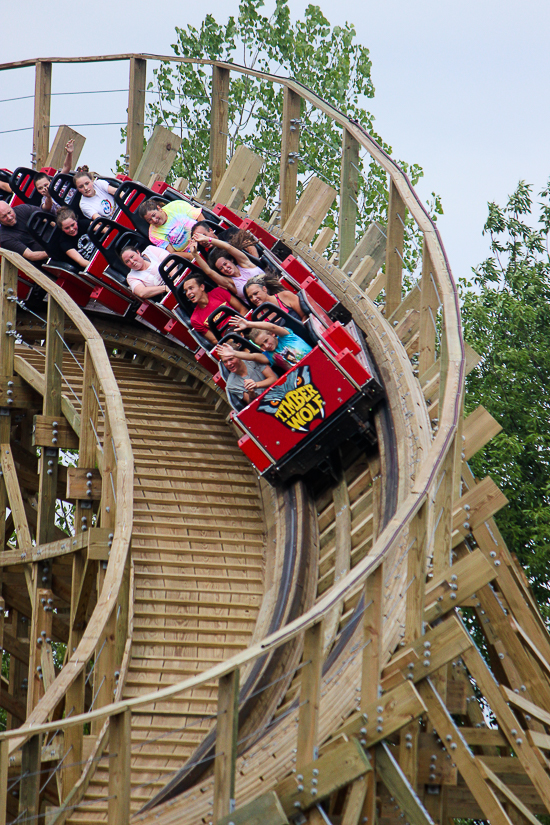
{"type": "Point", "coordinates": [461, 88]}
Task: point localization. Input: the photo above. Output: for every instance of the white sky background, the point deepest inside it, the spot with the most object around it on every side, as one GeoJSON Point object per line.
{"type": "Point", "coordinates": [461, 88]}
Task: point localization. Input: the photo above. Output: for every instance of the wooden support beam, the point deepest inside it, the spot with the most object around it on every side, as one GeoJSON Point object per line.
{"type": "Point", "coordinates": [323, 239]}
{"type": "Point", "coordinates": [446, 641]}
{"type": "Point", "coordinates": [478, 429]}
{"type": "Point", "coordinates": [466, 762]}
{"type": "Point", "coordinates": [219, 126]}
{"type": "Point", "coordinates": [22, 531]}
{"type": "Point", "coordinates": [310, 211]}
{"type": "Point", "coordinates": [42, 99]}
{"type": "Point", "coordinates": [56, 157]}
{"type": "Point", "coordinates": [367, 257]}
{"type": "Point", "coordinates": [507, 722]}
{"type": "Point", "coordinates": [334, 769]}
{"type": "Point", "coordinates": [239, 178]}
{"type": "Point", "coordinates": [429, 304]}
{"type": "Point", "coordinates": [342, 551]}
{"type": "Point", "coordinates": [159, 155]}
{"type": "Point", "coordinates": [310, 696]}
{"type": "Point", "coordinates": [398, 785]}
{"type": "Point", "coordinates": [290, 149]}
{"type": "Point", "coordinates": [226, 746]}
{"type": "Point", "coordinates": [354, 801]}
{"type": "Point", "coordinates": [455, 585]}
{"type": "Point", "coordinates": [256, 207]}
{"type": "Point", "coordinates": [95, 540]}
{"type": "Point", "coordinates": [264, 810]}
{"type": "Point", "coordinates": [372, 637]}
{"type": "Point", "coordinates": [136, 113]}
{"type": "Point", "coordinates": [396, 708]}
{"type": "Point", "coordinates": [394, 249]}
{"type": "Point", "coordinates": [349, 185]}
{"type": "Point", "coordinates": [508, 794]}
{"type": "Point", "coordinates": [477, 505]}
{"type": "Point", "coordinates": [4, 751]}
{"type": "Point", "coordinates": [83, 483]}
{"type": "Point", "coordinates": [29, 787]}
{"type": "Point", "coordinates": [54, 431]}
{"type": "Point", "coordinates": [120, 731]}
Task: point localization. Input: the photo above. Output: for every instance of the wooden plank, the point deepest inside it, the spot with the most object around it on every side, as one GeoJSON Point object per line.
{"type": "Point", "coordinates": [264, 810]}
{"type": "Point", "coordinates": [29, 787]}
{"type": "Point", "coordinates": [310, 695]}
{"type": "Point", "coordinates": [395, 708]}
{"type": "Point", "coordinates": [98, 537]}
{"type": "Point", "coordinates": [398, 785]}
{"type": "Point", "coordinates": [56, 157]}
{"type": "Point", "coordinates": [290, 148]}
{"type": "Point", "coordinates": [310, 211]}
{"type": "Point", "coordinates": [478, 429]}
{"type": "Point", "coordinates": [394, 249]}
{"type": "Point", "coordinates": [372, 637]}
{"type": "Point", "coordinates": [15, 499]}
{"type": "Point", "coordinates": [120, 731]}
{"type": "Point", "coordinates": [159, 155]}
{"type": "Point", "coordinates": [457, 584]}
{"type": "Point", "coordinates": [342, 552]}
{"type": "Point", "coordinates": [219, 126]}
{"type": "Point", "coordinates": [54, 431]}
{"type": "Point", "coordinates": [349, 178]}
{"type": "Point", "coordinates": [15, 393]}
{"type": "Point", "coordinates": [520, 702]}
{"type": "Point", "coordinates": [337, 767]}
{"type": "Point", "coordinates": [467, 764]}
{"type": "Point", "coordinates": [416, 574]}
{"type": "Point", "coordinates": [239, 178]}
{"type": "Point", "coordinates": [83, 483]}
{"type": "Point", "coordinates": [42, 98]}
{"type": "Point", "coordinates": [354, 801]}
{"type": "Point", "coordinates": [4, 748]}
{"type": "Point", "coordinates": [323, 239]}
{"type": "Point", "coordinates": [429, 303]}
{"type": "Point", "coordinates": [226, 745]}
{"type": "Point", "coordinates": [508, 723]}
{"type": "Point", "coordinates": [538, 739]}
{"type": "Point", "coordinates": [368, 256]}
{"type": "Point", "coordinates": [256, 207]}
{"type": "Point", "coordinates": [136, 113]}
{"type": "Point", "coordinates": [477, 505]}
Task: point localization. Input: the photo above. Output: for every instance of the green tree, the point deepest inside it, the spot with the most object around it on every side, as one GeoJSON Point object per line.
{"type": "Point", "coordinates": [506, 319]}
{"type": "Point", "coordinates": [328, 60]}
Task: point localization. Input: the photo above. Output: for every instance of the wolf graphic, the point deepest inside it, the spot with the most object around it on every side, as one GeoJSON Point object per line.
{"type": "Point", "coordinates": [296, 402]}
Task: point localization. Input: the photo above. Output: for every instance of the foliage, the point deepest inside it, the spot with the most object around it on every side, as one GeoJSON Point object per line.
{"type": "Point", "coordinates": [507, 320]}
{"type": "Point", "coordinates": [328, 60]}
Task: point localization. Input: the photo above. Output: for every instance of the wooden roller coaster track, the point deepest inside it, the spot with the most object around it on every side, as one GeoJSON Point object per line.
{"type": "Point", "coordinates": [203, 648]}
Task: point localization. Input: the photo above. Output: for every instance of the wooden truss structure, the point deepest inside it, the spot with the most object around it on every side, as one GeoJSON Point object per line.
{"type": "Point", "coordinates": [206, 649]}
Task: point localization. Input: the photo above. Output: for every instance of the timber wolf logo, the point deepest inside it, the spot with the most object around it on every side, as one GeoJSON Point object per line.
{"type": "Point", "coordinates": [296, 403]}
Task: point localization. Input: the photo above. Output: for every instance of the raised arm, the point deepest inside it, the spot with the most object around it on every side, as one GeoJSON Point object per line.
{"type": "Point", "coordinates": [226, 349]}
{"type": "Point", "coordinates": [243, 323]}
{"type": "Point", "coordinates": [217, 277]}
{"type": "Point", "coordinates": [241, 259]}
{"type": "Point", "coordinates": [68, 162]}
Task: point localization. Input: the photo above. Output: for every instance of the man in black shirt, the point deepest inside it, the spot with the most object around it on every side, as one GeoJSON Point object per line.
{"type": "Point", "coordinates": [14, 234]}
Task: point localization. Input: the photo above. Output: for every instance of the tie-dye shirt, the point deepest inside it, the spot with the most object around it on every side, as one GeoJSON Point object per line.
{"type": "Point", "coordinates": [177, 229]}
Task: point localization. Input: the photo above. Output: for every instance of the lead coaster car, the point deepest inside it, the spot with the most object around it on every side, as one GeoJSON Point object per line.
{"type": "Point", "coordinates": [315, 406]}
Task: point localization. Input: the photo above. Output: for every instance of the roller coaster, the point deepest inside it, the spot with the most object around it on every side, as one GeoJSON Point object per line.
{"type": "Point", "coordinates": [213, 639]}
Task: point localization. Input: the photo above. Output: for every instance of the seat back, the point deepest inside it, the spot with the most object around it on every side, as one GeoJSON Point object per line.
{"type": "Point", "coordinates": [171, 270]}
{"type": "Point", "coordinates": [43, 228]}
{"type": "Point", "coordinates": [22, 185]}
{"type": "Point", "coordinates": [129, 197]}
{"type": "Point", "coordinates": [65, 193]}
{"type": "Point", "coordinates": [104, 234]}
{"type": "Point", "coordinates": [5, 177]}
{"type": "Point", "coordinates": [218, 320]}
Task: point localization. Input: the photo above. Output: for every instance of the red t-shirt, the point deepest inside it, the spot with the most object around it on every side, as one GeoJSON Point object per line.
{"type": "Point", "coordinates": [216, 297]}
